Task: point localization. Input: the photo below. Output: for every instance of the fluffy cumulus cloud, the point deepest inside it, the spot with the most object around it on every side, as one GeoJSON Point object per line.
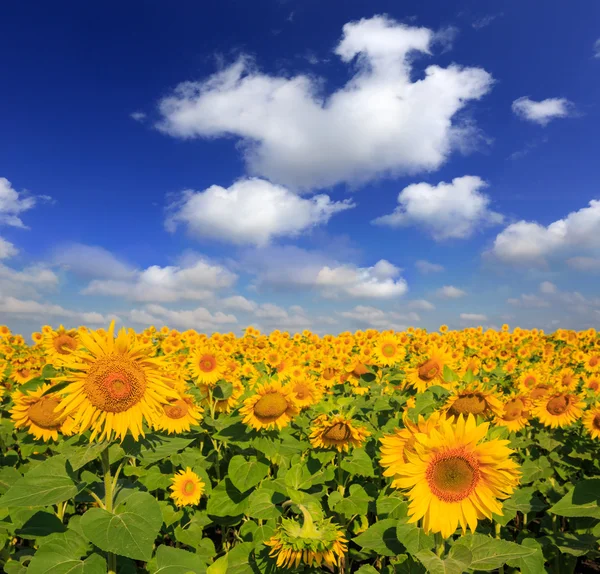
{"type": "Point", "coordinates": [446, 211]}
{"type": "Point", "coordinates": [380, 123]}
{"type": "Point", "coordinates": [367, 316]}
{"type": "Point", "coordinates": [530, 243]}
{"type": "Point", "coordinates": [91, 261]}
{"type": "Point", "coordinates": [549, 295]}
{"type": "Point", "coordinates": [450, 292]}
{"type": "Point", "coordinates": [43, 312]}
{"type": "Point", "coordinates": [7, 249]}
{"type": "Point", "coordinates": [240, 303]}
{"type": "Point", "coordinates": [27, 282]}
{"type": "Point", "coordinates": [195, 281]}
{"type": "Point", "coordinates": [544, 111]}
{"type": "Point", "coordinates": [428, 267]}
{"type": "Point", "coordinates": [473, 317]}
{"type": "Point", "coordinates": [378, 282]}
{"type": "Point", "coordinates": [251, 211]}
{"type": "Point", "coordinates": [199, 318]}
{"type": "Point", "coordinates": [13, 203]}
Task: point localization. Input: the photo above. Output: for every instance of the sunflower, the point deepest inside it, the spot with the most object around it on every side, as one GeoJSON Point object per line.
{"type": "Point", "coordinates": [115, 385]}
{"type": "Point", "coordinates": [566, 380]}
{"type": "Point", "coordinates": [206, 365]}
{"type": "Point", "coordinates": [388, 351]}
{"type": "Point", "coordinates": [337, 432]}
{"type": "Point", "coordinates": [178, 415]}
{"type": "Point", "coordinates": [429, 369]}
{"type": "Point", "coordinates": [473, 399]}
{"type": "Point", "coordinates": [540, 391]}
{"type": "Point", "coordinates": [23, 372]}
{"type": "Point", "coordinates": [454, 477]}
{"type": "Point", "coordinates": [272, 406]}
{"type": "Point", "coordinates": [37, 413]}
{"type": "Point", "coordinates": [515, 415]}
{"type": "Point", "coordinates": [591, 421]}
{"type": "Point", "coordinates": [592, 362]}
{"type": "Point", "coordinates": [306, 392]}
{"type": "Point", "coordinates": [312, 543]}
{"type": "Point", "coordinates": [223, 405]}
{"type": "Point", "coordinates": [530, 379]}
{"type": "Point", "coordinates": [592, 383]}
{"type": "Point", "coordinates": [187, 488]}
{"type": "Point", "coordinates": [559, 410]}
{"type": "Point", "coordinates": [59, 343]}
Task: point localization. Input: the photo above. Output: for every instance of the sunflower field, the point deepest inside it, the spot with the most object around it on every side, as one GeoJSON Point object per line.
{"type": "Point", "coordinates": [371, 452]}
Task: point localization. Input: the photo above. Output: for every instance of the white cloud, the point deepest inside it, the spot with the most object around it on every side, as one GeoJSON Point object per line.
{"type": "Point", "coordinates": [421, 305]}
{"type": "Point", "coordinates": [196, 281]}
{"type": "Point", "coordinates": [13, 203]}
{"type": "Point", "coordinates": [473, 317]}
{"type": "Point", "coordinates": [427, 267]}
{"type": "Point", "coordinates": [379, 319]}
{"type": "Point", "coordinates": [200, 318]}
{"type": "Point", "coordinates": [380, 123]}
{"type": "Point", "coordinates": [138, 116]}
{"type": "Point", "coordinates": [528, 301]}
{"type": "Point", "coordinates": [586, 264]}
{"type": "Point", "coordinates": [240, 303]}
{"type": "Point", "coordinates": [91, 261]}
{"type": "Point", "coordinates": [29, 308]}
{"type": "Point", "coordinates": [251, 211]}
{"type": "Point", "coordinates": [450, 292]}
{"type": "Point", "coordinates": [485, 21]}
{"type": "Point", "coordinates": [597, 48]}
{"type": "Point", "coordinates": [7, 249]}
{"type": "Point", "coordinates": [27, 281]}
{"type": "Point", "coordinates": [375, 282]}
{"type": "Point", "coordinates": [547, 288]}
{"type": "Point", "coordinates": [544, 111]}
{"type": "Point", "coordinates": [526, 242]}
{"type": "Point", "coordinates": [551, 296]}
{"type": "Point", "coordinates": [446, 211]}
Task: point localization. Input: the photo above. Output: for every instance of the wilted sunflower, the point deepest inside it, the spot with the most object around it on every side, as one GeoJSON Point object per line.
{"type": "Point", "coordinates": [36, 412]}
{"type": "Point", "coordinates": [206, 365]}
{"type": "Point", "coordinates": [272, 406]}
{"type": "Point", "coordinates": [454, 477]}
{"type": "Point", "coordinates": [591, 421]}
{"type": "Point", "coordinates": [516, 413]}
{"type": "Point", "coordinates": [187, 488]}
{"type": "Point", "coordinates": [115, 385]}
{"type": "Point", "coordinates": [429, 369]}
{"type": "Point", "coordinates": [178, 415]}
{"type": "Point", "coordinates": [311, 544]}
{"type": "Point", "coordinates": [559, 410]}
{"type": "Point", "coordinates": [337, 432]}
{"type": "Point", "coordinates": [475, 400]}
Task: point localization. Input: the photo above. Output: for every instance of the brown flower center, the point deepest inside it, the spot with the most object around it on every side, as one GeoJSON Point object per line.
{"type": "Point", "coordinates": [429, 370]}
{"type": "Point", "coordinates": [558, 405]}
{"type": "Point", "coordinates": [513, 409]}
{"type": "Point", "coordinates": [270, 407]}
{"type": "Point", "coordinates": [188, 487]}
{"type": "Point", "coordinates": [360, 369]}
{"type": "Point", "coordinates": [207, 363]}
{"type": "Point", "coordinates": [388, 350]}
{"type": "Point", "coordinates": [115, 384]}
{"type": "Point", "coordinates": [328, 373]}
{"type": "Point", "coordinates": [596, 422]}
{"type": "Point", "coordinates": [64, 344]}
{"type": "Point", "coordinates": [42, 413]}
{"type": "Point", "coordinates": [472, 403]}
{"type": "Point", "coordinates": [339, 432]}
{"type": "Point", "coordinates": [529, 381]}
{"type": "Point", "coordinates": [539, 392]}
{"type": "Point", "coordinates": [176, 410]}
{"type": "Point", "coordinates": [452, 475]}
{"type": "Point", "coordinates": [594, 361]}
{"type": "Point", "coordinates": [301, 391]}
{"type": "Point", "coordinates": [594, 385]}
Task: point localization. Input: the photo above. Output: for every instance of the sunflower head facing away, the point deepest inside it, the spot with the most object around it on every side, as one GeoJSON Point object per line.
{"type": "Point", "coordinates": [273, 406]}
{"type": "Point", "coordinates": [114, 385]}
{"type": "Point", "coordinates": [313, 543]}
{"type": "Point", "coordinates": [337, 432]}
{"type": "Point", "coordinates": [37, 414]}
{"type": "Point", "coordinates": [454, 477]}
{"type": "Point", "coordinates": [187, 488]}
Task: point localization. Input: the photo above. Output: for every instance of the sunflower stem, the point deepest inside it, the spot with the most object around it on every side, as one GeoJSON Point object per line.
{"type": "Point", "coordinates": [111, 559]}
{"type": "Point", "coordinates": [340, 472]}
{"type": "Point", "coordinates": [440, 544]}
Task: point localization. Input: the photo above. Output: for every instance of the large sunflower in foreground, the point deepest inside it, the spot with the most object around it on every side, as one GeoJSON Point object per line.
{"type": "Point", "coordinates": [455, 478]}
{"type": "Point", "coordinates": [429, 369]}
{"type": "Point", "coordinates": [591, 421]}
{"type": "Point", "coordinates": [337, 432]}
{"type": "Point", "coordinates": [187, 488]}
{"type": "Point", "coordinates": [36, 412]}
{"type": "Point", "coordinates": [559, 410]}
{"type": "Point", "coordinates": [115, 385]}
{"type": "Point", "coordinates": [272, 406]}
{"type": "Point", "coordinates": [312, 543]}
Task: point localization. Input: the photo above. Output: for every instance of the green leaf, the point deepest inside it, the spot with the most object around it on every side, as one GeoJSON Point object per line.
{"type": "Point", "coordinates": [8, 476]}
{"type": "Point", "coordinates": [41, 524]}
{"type": "Point", "coordinates": [48, 483]}
{"type": "Point", "coordinates": [582, 500]}
{"type": "Point", "coordinates": [491, 553]}
{"type": "Point", "coordinates": [381, 538]}
{"type": "Point", "coordinates": [357, 502]}
{"type": "Point", "coordinates": [81, 455]}
{"type": "Point", "coordinates": [414, 538]}
{"type": "Point", "coordinates": [391, 507]}
{"type": "Point", "coordinates": [457, 562]}
{"type": "Point", "coordinates": [192, 534]}
{"type": "Point", "coordinates": [534, 469]}
{"type": "Point", "coordinates": [222, 391]}
{"type": "Point", "coordinates": [170, 560]}
{"type": "Point", "coordinates": [298, 477]}
{"type": "Point", "coordinates": [533, 563]}
{"type": "Point", "coordinates": [246, 474]}
{"type": "Point", "coordinates": [255, 533]}
{"type": "Point", "coordinates": [360, 464]}
{"type": "Point", "coordinates": [130, 531]}
{"type": "Point", "coordinates": [227, 501]}
{"type": "Point", "coordinates": [449, 375]}
{"type": "Point", "coordinates": [263, 504]}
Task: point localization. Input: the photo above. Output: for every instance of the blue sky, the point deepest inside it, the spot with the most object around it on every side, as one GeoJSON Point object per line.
{"type": "Point", "coordinates": [295, 165]}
